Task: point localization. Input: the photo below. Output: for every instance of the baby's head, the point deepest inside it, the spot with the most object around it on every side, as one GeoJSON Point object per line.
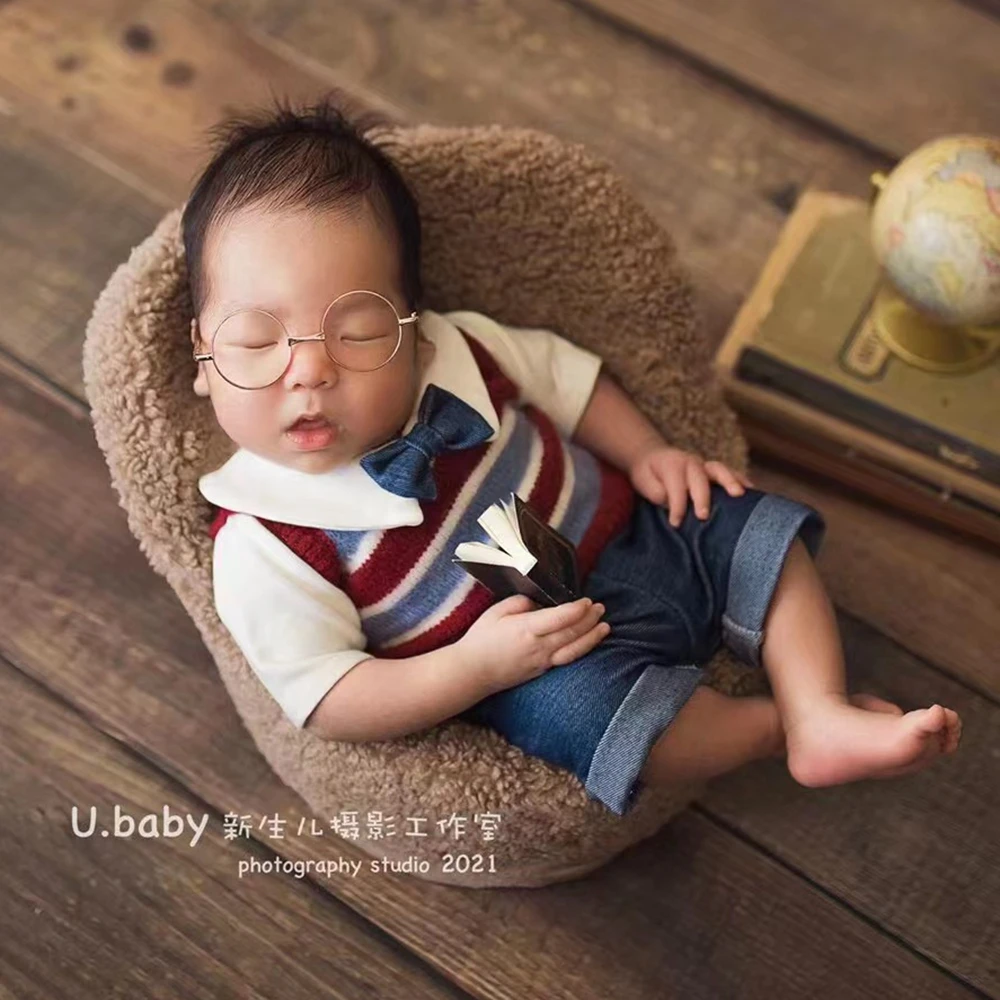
{"type": "Point", "coordinates": [296, 210]}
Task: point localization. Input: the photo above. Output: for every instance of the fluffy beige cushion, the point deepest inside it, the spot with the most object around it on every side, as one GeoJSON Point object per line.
{"type": "Point", "coordinates": [533, 232]}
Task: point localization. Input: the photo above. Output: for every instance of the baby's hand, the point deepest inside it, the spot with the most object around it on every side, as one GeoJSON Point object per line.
{"type": "Point", "coordinates": [664, 474]}
{"type": "Point", "coordinates": [515, 640]}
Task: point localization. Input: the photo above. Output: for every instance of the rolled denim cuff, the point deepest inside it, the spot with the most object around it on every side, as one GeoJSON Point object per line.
{"type": "Point", "coordinates": [649, 707]}
{"type": "Point", "coordinates": [756, 566]}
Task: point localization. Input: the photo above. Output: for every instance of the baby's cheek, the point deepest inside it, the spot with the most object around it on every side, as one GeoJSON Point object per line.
{"type": "Point", "coordinates": [243, 418]}
{"type": "Point", "coordinates": [384, 407]}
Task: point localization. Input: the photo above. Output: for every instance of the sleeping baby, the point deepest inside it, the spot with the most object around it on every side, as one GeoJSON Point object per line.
{"type": "Point", "coordinates": [371, 432]}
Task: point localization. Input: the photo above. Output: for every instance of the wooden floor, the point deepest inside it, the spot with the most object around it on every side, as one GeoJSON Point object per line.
{"type": "Point", "coordinates": [718, 113]}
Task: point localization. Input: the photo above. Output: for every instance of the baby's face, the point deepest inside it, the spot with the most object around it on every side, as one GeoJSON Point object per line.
{"type": "Point", "coordinates": [293, 265]}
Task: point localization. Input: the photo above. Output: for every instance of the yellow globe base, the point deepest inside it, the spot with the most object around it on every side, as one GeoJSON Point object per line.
{"type": "Point", "coordinates": [930, 345]}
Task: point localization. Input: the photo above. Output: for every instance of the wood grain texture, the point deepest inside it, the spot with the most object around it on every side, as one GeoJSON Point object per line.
{"type": "Point", "coordinates": [88, 618]}
{"type": "Point", "coordinates": [134, 86]}
{"type": "Point", "coordinates": [156, 916]}
{"type": "Point", "coordinates": [64, 227]}
{"type": "Point", "coordinates": [889, 75]}
{"type": "Point", "coordinates": [918, 854]}
{"type": "Point", "coordinates": [694, 910]}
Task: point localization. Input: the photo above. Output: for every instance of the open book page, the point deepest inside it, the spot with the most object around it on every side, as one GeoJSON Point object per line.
{"type": "Point", "coordinates": [497, 524]}
{"type": "Point", "coordinates": [510, 509]}
{"type": "Point", "coordinates": [483, 553]}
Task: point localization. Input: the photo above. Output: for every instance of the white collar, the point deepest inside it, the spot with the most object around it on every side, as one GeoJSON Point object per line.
{"type": "Point", "coordinates": [346, 497]}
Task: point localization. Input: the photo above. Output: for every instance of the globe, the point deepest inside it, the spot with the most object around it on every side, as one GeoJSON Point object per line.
{"type": "Point", "coordinates": [935, 229]}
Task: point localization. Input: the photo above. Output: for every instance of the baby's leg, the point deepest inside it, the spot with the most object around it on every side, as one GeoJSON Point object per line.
{"type": "Point", "coordinates": [712, 734]}
{"type": "Point", "coordinates": [829, 737]}
{"type": "Point", "coordinates": [715, 733]}
{"type": "Point", "coordinates": [829, 740]}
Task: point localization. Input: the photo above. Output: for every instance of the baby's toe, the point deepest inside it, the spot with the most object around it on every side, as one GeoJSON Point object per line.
{"type": "Point", "coordinates": [929, 720]}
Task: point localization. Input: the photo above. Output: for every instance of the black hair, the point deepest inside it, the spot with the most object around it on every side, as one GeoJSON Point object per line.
{"type": "Point", "coordinates": [316, 157]}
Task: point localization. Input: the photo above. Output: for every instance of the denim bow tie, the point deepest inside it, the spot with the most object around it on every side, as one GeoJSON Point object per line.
{"type": "Point", "coordinates": [444, 422]}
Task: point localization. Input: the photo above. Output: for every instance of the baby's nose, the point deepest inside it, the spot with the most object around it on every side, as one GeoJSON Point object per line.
{"type": "Point", "coordinates": [310, 366]}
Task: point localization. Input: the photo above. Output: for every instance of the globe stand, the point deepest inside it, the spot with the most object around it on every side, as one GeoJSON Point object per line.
{"type": "Point", "coordinates": [927, 344]}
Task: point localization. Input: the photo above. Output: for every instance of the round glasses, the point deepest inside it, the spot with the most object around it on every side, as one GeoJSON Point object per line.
{"type": "Point", "coordinates": [361, 331]}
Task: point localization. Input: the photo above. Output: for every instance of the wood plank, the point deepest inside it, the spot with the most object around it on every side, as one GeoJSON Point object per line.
{"type": "Point", "coordinates": [891, 75]}
{"type": "Point", "coordinates": [919, 854]}
{"type": "Point", "coordinates": [64, 228]}
{"type": "Point", "coordinates": [132, 86]}
{"type": "Point", "coordinates": [84, 615]}
{"type": "Point", "coordinates": [396, 54]}
{"type": "Point", "coordinates": [156, 916]}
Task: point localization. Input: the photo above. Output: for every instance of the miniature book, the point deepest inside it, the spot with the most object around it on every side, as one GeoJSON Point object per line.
{"type": "Point", "coordinates": [530, 557]}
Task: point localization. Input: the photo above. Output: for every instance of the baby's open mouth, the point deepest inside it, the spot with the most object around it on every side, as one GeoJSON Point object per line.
{"type": "Point", "coordinates": [311, 433]}
{"type": "Point", "coordinates": [309, 423]}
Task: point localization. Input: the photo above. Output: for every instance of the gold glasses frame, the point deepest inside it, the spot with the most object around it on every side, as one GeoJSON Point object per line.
{"type": "Point", "coordinates": [401, 321]}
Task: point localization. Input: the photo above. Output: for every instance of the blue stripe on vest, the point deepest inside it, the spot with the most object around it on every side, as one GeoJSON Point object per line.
{"type": "Point", "coordinates": [347, 542]}
{"type": "Point", "coordinates": [442, 576]}
{"type": "Point", "coordinates": [586, 495]}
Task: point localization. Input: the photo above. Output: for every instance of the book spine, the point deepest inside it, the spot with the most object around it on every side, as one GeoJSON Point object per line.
{"type": "Point", "coordinates": [761, 368]}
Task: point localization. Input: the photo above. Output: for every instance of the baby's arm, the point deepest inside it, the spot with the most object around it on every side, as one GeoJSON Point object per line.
{"type": "Point", "coordinates": [302, 637]}
{"type": "Point", "coordinates": [382, 699]}
{"type": "Point", "coordinates": [511, 642]}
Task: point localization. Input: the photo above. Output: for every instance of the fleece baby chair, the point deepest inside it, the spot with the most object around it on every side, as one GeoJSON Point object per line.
{"type": "Point", "coordinates": [535, 233]}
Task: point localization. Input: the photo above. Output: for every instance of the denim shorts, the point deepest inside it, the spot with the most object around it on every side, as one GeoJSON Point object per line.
{"type": "Point", "coordinates": [672, 597]}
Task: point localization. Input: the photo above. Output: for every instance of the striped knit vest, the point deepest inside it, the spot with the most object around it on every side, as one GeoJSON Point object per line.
{"type": "Point", "coordinates": [410, 596]}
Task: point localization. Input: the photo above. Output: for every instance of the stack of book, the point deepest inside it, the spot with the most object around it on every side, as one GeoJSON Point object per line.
{"type": "Point", "coordinates": [816, 386]}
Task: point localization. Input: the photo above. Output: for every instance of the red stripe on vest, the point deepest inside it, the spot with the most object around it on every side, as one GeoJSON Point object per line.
{"type": "Point", "coordinates": [309, 544]}
{"type": "Point", "coordinates": [218, 521]}
{"type": "Point", "coordinates": [612, 515]}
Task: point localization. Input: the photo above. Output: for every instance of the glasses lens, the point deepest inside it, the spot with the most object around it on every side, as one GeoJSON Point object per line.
{"type": "Point", "coordinates": [362, 331]}
{"type": "Point", "coordinates": [250, 349]}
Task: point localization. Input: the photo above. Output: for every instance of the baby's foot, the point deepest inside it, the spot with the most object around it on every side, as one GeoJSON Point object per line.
{"type": "Point", "coordinates": [867, 738]}
{"type": "Point", "coordinates": [949, 737]}
{"type": "Point", "coordinates": [870, 702]}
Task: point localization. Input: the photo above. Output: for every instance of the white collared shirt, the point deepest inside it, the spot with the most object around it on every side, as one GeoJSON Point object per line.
{"type": "Point", "coordinates": [299, 632]}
